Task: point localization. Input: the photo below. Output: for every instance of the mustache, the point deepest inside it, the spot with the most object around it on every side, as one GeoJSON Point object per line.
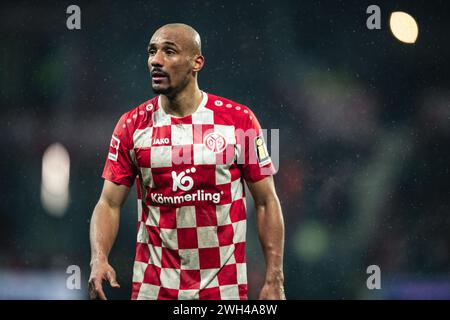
{"type": "Point", "coordinates": [158, 70]}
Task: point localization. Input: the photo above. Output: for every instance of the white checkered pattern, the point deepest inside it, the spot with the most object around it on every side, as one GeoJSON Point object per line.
{"type": "Point", "coordinates": [143, 138]}
{"type": "Point", "coordinates": [186, 217]}
{"type": "Point", "coordinates": [161, 157]}
{"type": "Point", "coordinates": [189, 259]}
{"type": "Point", "coordinates": [182, 134]}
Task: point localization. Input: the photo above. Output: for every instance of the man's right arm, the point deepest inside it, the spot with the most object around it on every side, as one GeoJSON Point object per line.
{"type": "Point", "coordinates": [103, 231]}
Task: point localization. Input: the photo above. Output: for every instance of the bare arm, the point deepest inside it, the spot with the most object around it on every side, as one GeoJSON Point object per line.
{"type": "Point", "coordinates": [270, 227]}
{"type": "Point", "coordinates": [103, 232]}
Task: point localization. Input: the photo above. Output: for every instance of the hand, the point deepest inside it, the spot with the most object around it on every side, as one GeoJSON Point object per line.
{"type": "Point", "coordinates": [101, 270]}
{"type": "Point", "coordinates": [272, 291]}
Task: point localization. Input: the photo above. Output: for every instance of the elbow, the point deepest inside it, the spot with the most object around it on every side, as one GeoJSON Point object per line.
{"type": "Point", "coordinates": [108, 202]}
{"type": "Point", "coordinates": [269, 201]}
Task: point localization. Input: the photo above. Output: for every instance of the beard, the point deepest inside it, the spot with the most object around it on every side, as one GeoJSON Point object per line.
{"type": "Point", "coordinates": [169, 90]}
{"type": "Point", "coordinates": [164, 91]}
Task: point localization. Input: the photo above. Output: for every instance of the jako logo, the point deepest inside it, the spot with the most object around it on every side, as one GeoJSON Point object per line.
{"type": "Point", "coordinates": [158, 141]}
{"type": "Point", "coordinates": [182, 181]}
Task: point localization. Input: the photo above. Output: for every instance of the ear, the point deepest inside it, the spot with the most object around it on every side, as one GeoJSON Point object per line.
{"type": "Point", "coordinates": [198, 63]}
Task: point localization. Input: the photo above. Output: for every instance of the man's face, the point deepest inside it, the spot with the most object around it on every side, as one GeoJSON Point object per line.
{"type": "Point", "coordinates": [170, 61]}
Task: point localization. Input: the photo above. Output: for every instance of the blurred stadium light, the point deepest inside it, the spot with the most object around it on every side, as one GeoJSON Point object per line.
{"type": "Point", "coordinates": [55, 179]}
{"type": "Point", "coordinates": [404, 27]}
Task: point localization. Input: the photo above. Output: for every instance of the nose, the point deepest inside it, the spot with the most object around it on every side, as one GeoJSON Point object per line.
{"type": "Point", "coordinates": [157, 60]}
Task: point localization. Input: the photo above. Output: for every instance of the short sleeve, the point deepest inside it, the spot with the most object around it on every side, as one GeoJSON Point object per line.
{"type": "Point", "coordinates": [255, 161]}
{"type": "Point", "coordinates": [119, 167]}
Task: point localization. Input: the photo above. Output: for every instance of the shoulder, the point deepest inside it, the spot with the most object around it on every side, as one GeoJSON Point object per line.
{"type": "Point", "coordinates": [138, 117]}
{"type": "Point", "coordinates": [229, 109]}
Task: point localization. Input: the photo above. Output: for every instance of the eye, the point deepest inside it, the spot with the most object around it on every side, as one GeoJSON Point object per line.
{"type": "Point", "coordinates": [170, 51]}
{"type": "Point", "coordinates": [151, 52]}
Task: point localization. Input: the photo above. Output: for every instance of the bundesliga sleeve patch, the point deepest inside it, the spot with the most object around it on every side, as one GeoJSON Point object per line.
{"type": "Point", "coordinates": [261, 151]}
{"type": "Point", "coordinates": [114, 148]}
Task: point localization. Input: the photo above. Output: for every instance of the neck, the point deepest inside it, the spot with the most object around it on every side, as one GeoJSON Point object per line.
{"type": "Point", "coordinates": [184, 102]}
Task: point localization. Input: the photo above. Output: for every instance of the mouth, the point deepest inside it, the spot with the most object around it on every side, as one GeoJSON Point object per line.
{"type": "Point", "coordinates": [158, 76]}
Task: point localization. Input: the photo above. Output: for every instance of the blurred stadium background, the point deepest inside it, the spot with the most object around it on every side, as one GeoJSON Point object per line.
{"type": "Point", "coordinates": [364, 136]}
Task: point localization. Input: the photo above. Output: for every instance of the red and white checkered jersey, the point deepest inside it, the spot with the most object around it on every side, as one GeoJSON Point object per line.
{"type": "Point", "coordinates": [192, 211]}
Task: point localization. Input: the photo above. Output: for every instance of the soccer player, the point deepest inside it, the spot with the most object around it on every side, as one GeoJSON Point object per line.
{"type": "Point", "coordinates": [189, 152]}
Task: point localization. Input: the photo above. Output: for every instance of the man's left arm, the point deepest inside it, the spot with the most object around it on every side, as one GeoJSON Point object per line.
{"type": "Point", "coordinates": [270, 227]}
